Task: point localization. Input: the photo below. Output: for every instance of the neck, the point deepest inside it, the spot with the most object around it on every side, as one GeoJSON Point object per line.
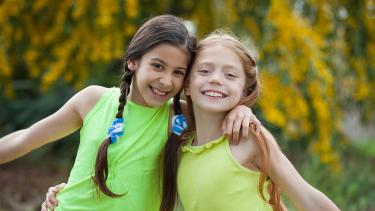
{"type": "Point", "coordinates": [208, 126]}
{"type": "Point", "coordinates": [131, 92]}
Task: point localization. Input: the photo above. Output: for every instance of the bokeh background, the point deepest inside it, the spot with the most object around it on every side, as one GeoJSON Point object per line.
{"type": "Point", "coordinates": [316, 60]}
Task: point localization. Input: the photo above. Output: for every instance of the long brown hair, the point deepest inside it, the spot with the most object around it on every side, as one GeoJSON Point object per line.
{"type": "Point", "coordinates": [252, 91]}
{"type": "Point", "coordinates": [160, 29]}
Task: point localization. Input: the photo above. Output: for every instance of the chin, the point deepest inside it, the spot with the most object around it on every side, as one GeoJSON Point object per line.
{"type": "Point", "coordinates": [216, 108]}
{"type": "Point", "coordinates": [156, 101]}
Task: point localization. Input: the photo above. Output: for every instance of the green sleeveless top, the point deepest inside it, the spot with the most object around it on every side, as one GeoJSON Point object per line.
{"type": "Point", "coordinates": [133, 161]}
{"type": "Point", "coordinates": [210, 178]}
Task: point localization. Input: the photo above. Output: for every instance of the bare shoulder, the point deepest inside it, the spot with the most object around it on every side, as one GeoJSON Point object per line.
{"type": "Point", "coordinates": [250, 149]}
{"type": "Point", "coordinates": [92, 94]}
{"type": "Point", "coordinates": [86, 99]}
{"type": "Point", "coordinates": [245, 152]}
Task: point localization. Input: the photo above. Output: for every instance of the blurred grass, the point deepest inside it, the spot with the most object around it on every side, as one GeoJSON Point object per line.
{"type": "Point", "coordinates": [366, 147]}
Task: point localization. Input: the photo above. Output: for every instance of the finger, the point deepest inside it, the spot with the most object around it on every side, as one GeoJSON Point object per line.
{"type": "Point", "coordinates": [60, 186]}
{"type": "Point", "coordinates": [253, 129]}
{"type": "Point", "coordinates": [229, 127]}
{"type": "Point", "coordinates": [52, 198]}
{"type": "Point", "coordinates": [43, 207]}
{"type": "Point", "coordinates": [255, 122]}
{"type": "Point", "coordinates": [245, 127]}
{"type": "Point", "coordinates": [50, 207]}
{"type": "Point", "coordinates": [47, 202]}
{"type": "Point", "coordinates": [258, 126]}
{"type": "Point", "coordinates": [236, 130]}
{"type": "Point", "coordinates": [47, 206]}
{"type": "Point", "coordinates": [52, 189]}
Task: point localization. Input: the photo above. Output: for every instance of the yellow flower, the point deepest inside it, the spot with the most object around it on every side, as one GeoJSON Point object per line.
{"type": "Point", "coordinates": [4, 67]}
{"type": "Point", "coordinates": [362, 90]}
{"type": "Point", "coordinates": [39, 4]}
{"type": "Point", "coordinates": [131, 8]}
{"type": "Point", "coordinates": [79, 9]}
{"type": "Point", "coordinates": [274, 116]}
{"type": "Point", "coordinates": [31, 55]}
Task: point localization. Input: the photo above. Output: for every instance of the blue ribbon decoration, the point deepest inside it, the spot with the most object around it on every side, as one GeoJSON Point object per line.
{"type": "Point", "coordinates": [116, 130]}
{"type": "Point", "coordinates": [179, 124]}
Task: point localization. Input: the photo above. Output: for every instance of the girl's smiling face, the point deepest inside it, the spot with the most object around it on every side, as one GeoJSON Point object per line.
{"type": "Point", "coordinates": [159, 75]}
{"type": "Point", "coordinates": [217, 79]}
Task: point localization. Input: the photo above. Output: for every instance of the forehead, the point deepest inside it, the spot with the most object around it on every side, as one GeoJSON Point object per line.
{"type": "Point", "coordinates": [170, 54]}
{"type": "Point", "coordinates": [219, 55]}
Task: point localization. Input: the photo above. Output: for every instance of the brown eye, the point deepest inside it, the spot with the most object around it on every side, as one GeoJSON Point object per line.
{"type": "Point", "coordinates": [179, 72]}
{"type": "Point", "coordinates": [157, 66]}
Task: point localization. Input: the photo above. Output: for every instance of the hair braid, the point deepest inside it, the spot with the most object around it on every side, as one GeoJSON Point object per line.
{"type": "Point", "coordinates": [171, 161]}
{"type": "Point", "coordinates": [101, 165]}
{"type": "Point", "coordinates": [124, 89]}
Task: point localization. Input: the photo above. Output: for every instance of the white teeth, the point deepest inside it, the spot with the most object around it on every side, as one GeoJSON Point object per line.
{"type": "Point", "coordinates": [158, 91]}
{"type": "Point", "coordinates": [213, 94]}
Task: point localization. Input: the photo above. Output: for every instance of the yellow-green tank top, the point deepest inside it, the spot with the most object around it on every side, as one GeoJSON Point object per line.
{"type": "Point", "coordinates": [133, 161]}
{"type": "Point", "coordinates": [210, 178]}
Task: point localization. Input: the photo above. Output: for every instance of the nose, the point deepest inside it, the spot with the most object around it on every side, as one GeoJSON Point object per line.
{"type": "Point", "coordinates": [166, 80]}
{"type": "Point", "coordinates": [215, 78]}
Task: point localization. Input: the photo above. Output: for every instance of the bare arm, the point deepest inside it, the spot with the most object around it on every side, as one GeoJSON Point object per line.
{"type": "Point", "coordinates": [302, 194]}
{"type": "Point", "coordinates": [60, 124]}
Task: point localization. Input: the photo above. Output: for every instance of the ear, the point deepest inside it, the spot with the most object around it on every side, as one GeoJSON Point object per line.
{"type": "Point", "coordinates": [187, 88]}
{"type": "Point", "coordinates": [132, 65]}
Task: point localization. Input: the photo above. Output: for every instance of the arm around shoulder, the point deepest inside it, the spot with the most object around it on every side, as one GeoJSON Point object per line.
{"type": "Point", "coordinates": [58, 125]}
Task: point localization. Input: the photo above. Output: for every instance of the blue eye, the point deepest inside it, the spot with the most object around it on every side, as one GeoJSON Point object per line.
{"type": "Point", "coordinates": [230, 76]}
{"type": "Point", "coordinates": [203, 71]}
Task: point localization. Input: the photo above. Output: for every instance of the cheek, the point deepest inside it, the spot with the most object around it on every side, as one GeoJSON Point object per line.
{"type": "Point", "coordinates": [194, 84]}
{"type": "Point", "coordinates": [178, 82]}
{"type": "Point", "coordinates": [241, 91]}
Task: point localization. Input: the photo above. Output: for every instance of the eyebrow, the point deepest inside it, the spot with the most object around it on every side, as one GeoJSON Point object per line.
{"type": "Point", "coordinates": [212, 64]}
{"type": "Point", "coordinates": [165, 63]}
{"type": "Point", "coordinates": [230, 67]}
{"type": "Point", "coordinates": [159, 60]}
{"type": "Point", "coordinates": [206, 63]}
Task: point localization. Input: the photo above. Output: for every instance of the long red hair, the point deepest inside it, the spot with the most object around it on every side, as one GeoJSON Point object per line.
{"type": "Point", "coordinates": [252, 91]}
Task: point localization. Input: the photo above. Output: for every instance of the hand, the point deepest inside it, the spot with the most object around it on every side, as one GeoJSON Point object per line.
{"type": "Point", "coordinates": [240, 117]}
{"type": "Point", "coordinates": [51, 202]}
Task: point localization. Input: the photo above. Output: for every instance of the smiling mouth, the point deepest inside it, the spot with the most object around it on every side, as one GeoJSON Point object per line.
{"type": "Point", "coordinates": [215, 94]}
{"type": "Point", "coordinates": [158, 92]}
